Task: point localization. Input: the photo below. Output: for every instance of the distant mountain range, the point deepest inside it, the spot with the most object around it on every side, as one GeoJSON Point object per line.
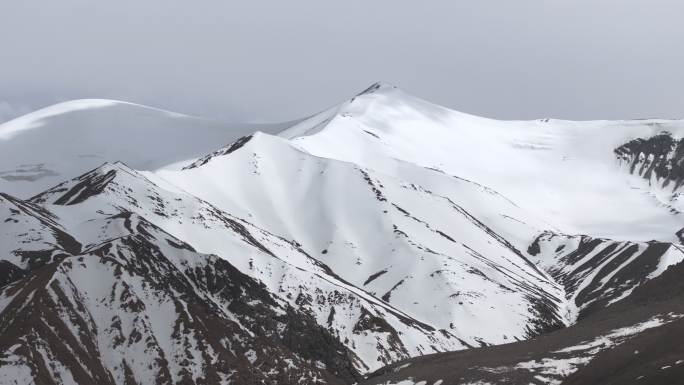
{"type": "Point", "coordinates": [386, 240]}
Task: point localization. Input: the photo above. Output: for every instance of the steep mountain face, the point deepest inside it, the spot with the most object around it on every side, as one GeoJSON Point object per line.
{"type": "Point", "coordinates": [30, 237]}
{"type": "Point", "coordinates": [385, 231]}
{"type": "Point", "coordinates": [658, 159]}
{"type": "Point", "coordinates": [434, 246]}
{"type": "Point", "coordinates": [597, 272]}
{"type": "Point", "coordinates": [372, 329]}
{"type": "Point", "coordinates": [561, 171]}
{"type": "Point", "coordinates": [634, 341]}
{"type": "Point", "coordinates": [145, 307]}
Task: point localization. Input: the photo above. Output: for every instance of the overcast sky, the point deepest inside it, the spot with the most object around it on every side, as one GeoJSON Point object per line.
{"type": "Point", "coordinates": [254, 60]}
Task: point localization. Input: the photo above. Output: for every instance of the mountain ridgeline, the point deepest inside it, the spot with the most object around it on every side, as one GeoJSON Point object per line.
{"type": "Point", "coordinates": [376, 242]}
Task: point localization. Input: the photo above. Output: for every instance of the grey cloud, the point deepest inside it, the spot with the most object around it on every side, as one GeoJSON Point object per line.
{"type": "Point", "coordinates": [9, 111]}
{"type": "Point", "coordinates": [273, 60]}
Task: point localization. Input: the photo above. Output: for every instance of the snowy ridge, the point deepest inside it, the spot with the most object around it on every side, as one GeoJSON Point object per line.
{"type": "Point", "coordinates": [30, 237]}
{"type": "Point", "coordinates": [63, 141]}
{"type": "Point", "coordinates": [145, 307]}
{"type": "Point", "coordinates": [404, 246]}
{"type": "Point", "coordinates": [548, 167]}
{"type": "Point", "coordinates": [383, 229]}
{"type": "Point", "coordinates": [279, 263]}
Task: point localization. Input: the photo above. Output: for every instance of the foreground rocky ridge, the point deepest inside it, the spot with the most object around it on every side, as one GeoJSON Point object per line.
{"type": "Point", "coordinates": [145, 307]}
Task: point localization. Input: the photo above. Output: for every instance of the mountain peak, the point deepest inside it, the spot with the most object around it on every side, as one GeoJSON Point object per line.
{"type": "Point", "coordinates": [36, 118]}
{"type": "Point", "coordinates": [222, 151]}
{"type": "Point", "coordinates": [378, 86]}
{"type": "Point", "coordinates": [70, 138]}
{"type": "Point", "coordinates": [89, 184]}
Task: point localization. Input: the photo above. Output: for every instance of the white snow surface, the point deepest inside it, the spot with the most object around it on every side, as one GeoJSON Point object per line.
{"type": "Point", "coordinates": [563, 171]}
{"type": "Point", "coordinates": [25, 228]}
{"type": "Point", "coordinates": [383, 206]}
{"type": "Point", "coordinates": [283, 267]}
{"type": "Point", "coordinates": [414, 231]}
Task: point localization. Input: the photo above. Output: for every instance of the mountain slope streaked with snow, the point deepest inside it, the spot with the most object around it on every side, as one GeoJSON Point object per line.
{"type": "Point", "coordinates": [60, 142]}
{"type": "Point", "coordinates": [417, 249]}
{"type": "Point", "coordinates": [144, 246]}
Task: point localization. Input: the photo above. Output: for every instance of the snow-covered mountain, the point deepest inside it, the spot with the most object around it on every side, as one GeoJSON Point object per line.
{"type": "Point", "coordinates": [382, 229]}
{"type": "Point", "coordinates": [62, 141]}
{"type": "Point", "coordinates": [563, 171]}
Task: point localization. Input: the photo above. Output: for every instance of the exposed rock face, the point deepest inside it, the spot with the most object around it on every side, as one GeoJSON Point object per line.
{"type": "Point", "coordinates": [659, 159]}
{"type": "Point", "coordinates": [30, 237]}
{"type": "Point", "coordinates": [597, 272]}
{"type": "Point", "coordinates": [145, 307]}
{"type": "Point", "coordinates": [223, 151]}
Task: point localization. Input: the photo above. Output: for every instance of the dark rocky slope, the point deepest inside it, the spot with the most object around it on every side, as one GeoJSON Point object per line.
{"type": "Point", "coordinates": [635, 341]}
{"type": "Point", "coordinates": [144, 307]}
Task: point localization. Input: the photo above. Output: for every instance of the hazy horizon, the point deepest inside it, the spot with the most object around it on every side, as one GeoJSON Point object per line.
{"type": "Point", "coordinates": [267, 62]}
